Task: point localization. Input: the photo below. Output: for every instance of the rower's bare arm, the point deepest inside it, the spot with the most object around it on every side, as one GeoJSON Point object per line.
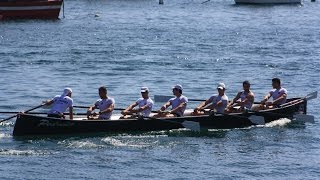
{"type": "Point", "coordinates": [236, 98]}
{"type": "Point", "coordinates": [202, 105]}
{"type": "Point", "coordinates": [283, 96]}
{"type": "Point", "coordinates": [130, 109]}
{"type": "Point", "coordinates": [48, 102]}
{"type": "Point", "coordinates": [90, 109]}
{"type": "Point", "coordinates": [71, 112]}
{"type": "Point", "coordinates": [182, 105]}
{"type": "Point", "coordinates": [109, 109]}
{"type": "Point", "coordinates": [265, 99]}
{"type": "Point", "coordinates": [165, 106]}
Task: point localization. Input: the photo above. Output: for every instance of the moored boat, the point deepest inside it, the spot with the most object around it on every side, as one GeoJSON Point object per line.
{"type": "Point", "coordinates": [267, 1]}
{"type": "Point", "coordinates": [27, 124]}
{"type": "Point", "coordinates": [30, 9]}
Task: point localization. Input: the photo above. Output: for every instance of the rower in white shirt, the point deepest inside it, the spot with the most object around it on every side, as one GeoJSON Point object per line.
{"type": "Point", "coordinates": [60, 103]}
{"type": "Point", "coordinates": [179, 104]}
{"type": "Point", "coordinates": [278, 94]}
{"type": "Point", "coordinates": [217, 102]}
{"type": "Point", "coordinates": [144, 104]}
{"type": "Point", "coordinates": [105, 105]}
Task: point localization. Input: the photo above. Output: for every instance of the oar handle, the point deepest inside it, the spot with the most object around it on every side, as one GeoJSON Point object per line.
{"type": "Point", "coordinates": [26, 111]}
{"type": "Point", "coordinates": [117, 109]}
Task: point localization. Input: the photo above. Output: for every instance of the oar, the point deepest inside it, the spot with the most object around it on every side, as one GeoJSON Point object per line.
{"type": "Point", "coordinates": [15, 112]}
{"type": "Point", "coordinates": [86, 107]}
{"type": "Point", "coordinates": [161, 98]}
{"type": "Point", "coordinates": [308, 97]}
{"type": "Point", "coordinates": [296, 117]}
{"type": "Point", "coordinates": [24, 112]}
{"type": "Point", "coordinates": [312, 95]}
{"type": "Point", "coordinates": [257, 120]}
{"type": "Point", "coordinates": [192, 125]}
{"type": "Point", "coordinates": [116, 109]}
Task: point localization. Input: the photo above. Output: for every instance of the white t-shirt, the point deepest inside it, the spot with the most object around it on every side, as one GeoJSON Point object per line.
{"type": "Point", "coordinates": [175, 102]}
{"type": "Point", "coordinates": [276, 93]}
{"type": "Point", "coordinates": [214, 99]}
{"type": "Point", "coordinates": [104, 104]}
{"type": "Point", "coordinates": [60, 104]}
{"type": "Point", "coordinates": [145, 102]}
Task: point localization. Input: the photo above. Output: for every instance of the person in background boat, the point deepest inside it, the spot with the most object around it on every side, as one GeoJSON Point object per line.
{"type": "Point", "coordinates": [244, 99]}
{"type": "Point", "coordinates": [145, 104]}
{"type": "Point", "coordinates": [105, 105]}
{"type": "Point", "coordinates": [217, 102]}
{"type": "Point", "coordinates": [60, 104]}
{"type": "Point", "coordinates": [278, 94]}
{"type": "Point", "coordinates": [179, 104]}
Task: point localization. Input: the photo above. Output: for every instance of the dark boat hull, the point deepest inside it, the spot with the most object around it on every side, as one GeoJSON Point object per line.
{"type": "Point", "coordinates": [27, 124]}
{"type": "Point", "coordinates": [33, 9]}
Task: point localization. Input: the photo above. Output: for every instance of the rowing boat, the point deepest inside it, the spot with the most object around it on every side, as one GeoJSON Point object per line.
{"type": "Point", "coordinates": [30, 124]}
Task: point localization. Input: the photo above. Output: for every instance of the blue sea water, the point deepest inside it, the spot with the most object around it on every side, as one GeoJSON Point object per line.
{"type": "Point", "coordinates": [126, 44]}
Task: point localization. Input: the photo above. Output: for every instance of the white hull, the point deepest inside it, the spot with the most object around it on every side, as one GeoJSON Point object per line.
{"type": "Point", "coordinates": [268, 1]}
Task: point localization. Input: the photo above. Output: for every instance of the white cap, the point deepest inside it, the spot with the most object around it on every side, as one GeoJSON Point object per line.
{"type": "Point", "coordinates": [144, 89]}
{"type": "Point", "coordinates": [221, 86]}
{"type": "Point", "coordinates": [177, 86]}
{"type": "Point", "coordinates": [66, 91]}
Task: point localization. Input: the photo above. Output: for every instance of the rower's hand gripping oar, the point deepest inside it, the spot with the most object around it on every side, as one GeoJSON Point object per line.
{"type": "Point", "coordinates": [26, 111]}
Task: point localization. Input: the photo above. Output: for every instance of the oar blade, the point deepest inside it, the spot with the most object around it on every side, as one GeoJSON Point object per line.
{"type": "Point", "coordinates": [160, 98]}
{"type": "Point", "coordinates": [258, 120]}
{"type": "Point", "coordinates": [312, 95]}
{"type": "Point", "coordinates": [192, 125]}
{"type": "Point", "coordinates": [304, 118]}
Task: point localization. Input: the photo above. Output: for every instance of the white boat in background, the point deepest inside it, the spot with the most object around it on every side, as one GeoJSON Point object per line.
{"type": "Point", "coordinates": [268, 1]}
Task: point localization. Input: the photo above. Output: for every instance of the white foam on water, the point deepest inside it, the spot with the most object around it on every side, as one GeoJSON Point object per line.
{"type": "Point", "coordinates": [83, 144]}
{"type": "Point", "coordinates": [280, 122]}
{"type": "Point", "coordinates": [3, 135]}
{"type": "Point", "coordinates": [119, 143]}
{"type": "Point", "coordinates": [7, 123]}
{"type": "Point", "coordinates": [14, 152]}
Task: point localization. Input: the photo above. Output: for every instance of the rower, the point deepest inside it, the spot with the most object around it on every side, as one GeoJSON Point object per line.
{"type": "Point", "coordinates": [105, 105]}
{"type": "Point", "coordinates": [217, 102]}
{"type": "Point", "coordinates": [60, 104]}
{"type": "Point", "coordinates": [179, 104]}
{"type": "Point", "coordinates": [244, 99]}
{"type": "Point", "coordinates": [278, 94]}
{"type": "Point", "coordinates": [145, 104]}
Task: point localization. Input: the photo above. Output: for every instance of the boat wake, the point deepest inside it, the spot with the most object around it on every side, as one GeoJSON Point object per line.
{"type": "Point", "coordinates": [13, 152]}
{"type": "Point", "coordinates": [81, 144]}
{"type": "Point", "coordinates": [139, 142]}
{"type": "Point", "coordinates": [278, 123]}
{"type": "Point", "coordinates": [3, 135]}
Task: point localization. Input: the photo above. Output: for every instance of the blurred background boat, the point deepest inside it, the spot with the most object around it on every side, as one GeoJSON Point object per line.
{"type": "Point", "coordinates": [30, 9]}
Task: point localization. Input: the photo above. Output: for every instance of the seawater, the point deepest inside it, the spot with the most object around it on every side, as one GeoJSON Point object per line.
{"type": "Point", "coordinates": [126, 44]}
